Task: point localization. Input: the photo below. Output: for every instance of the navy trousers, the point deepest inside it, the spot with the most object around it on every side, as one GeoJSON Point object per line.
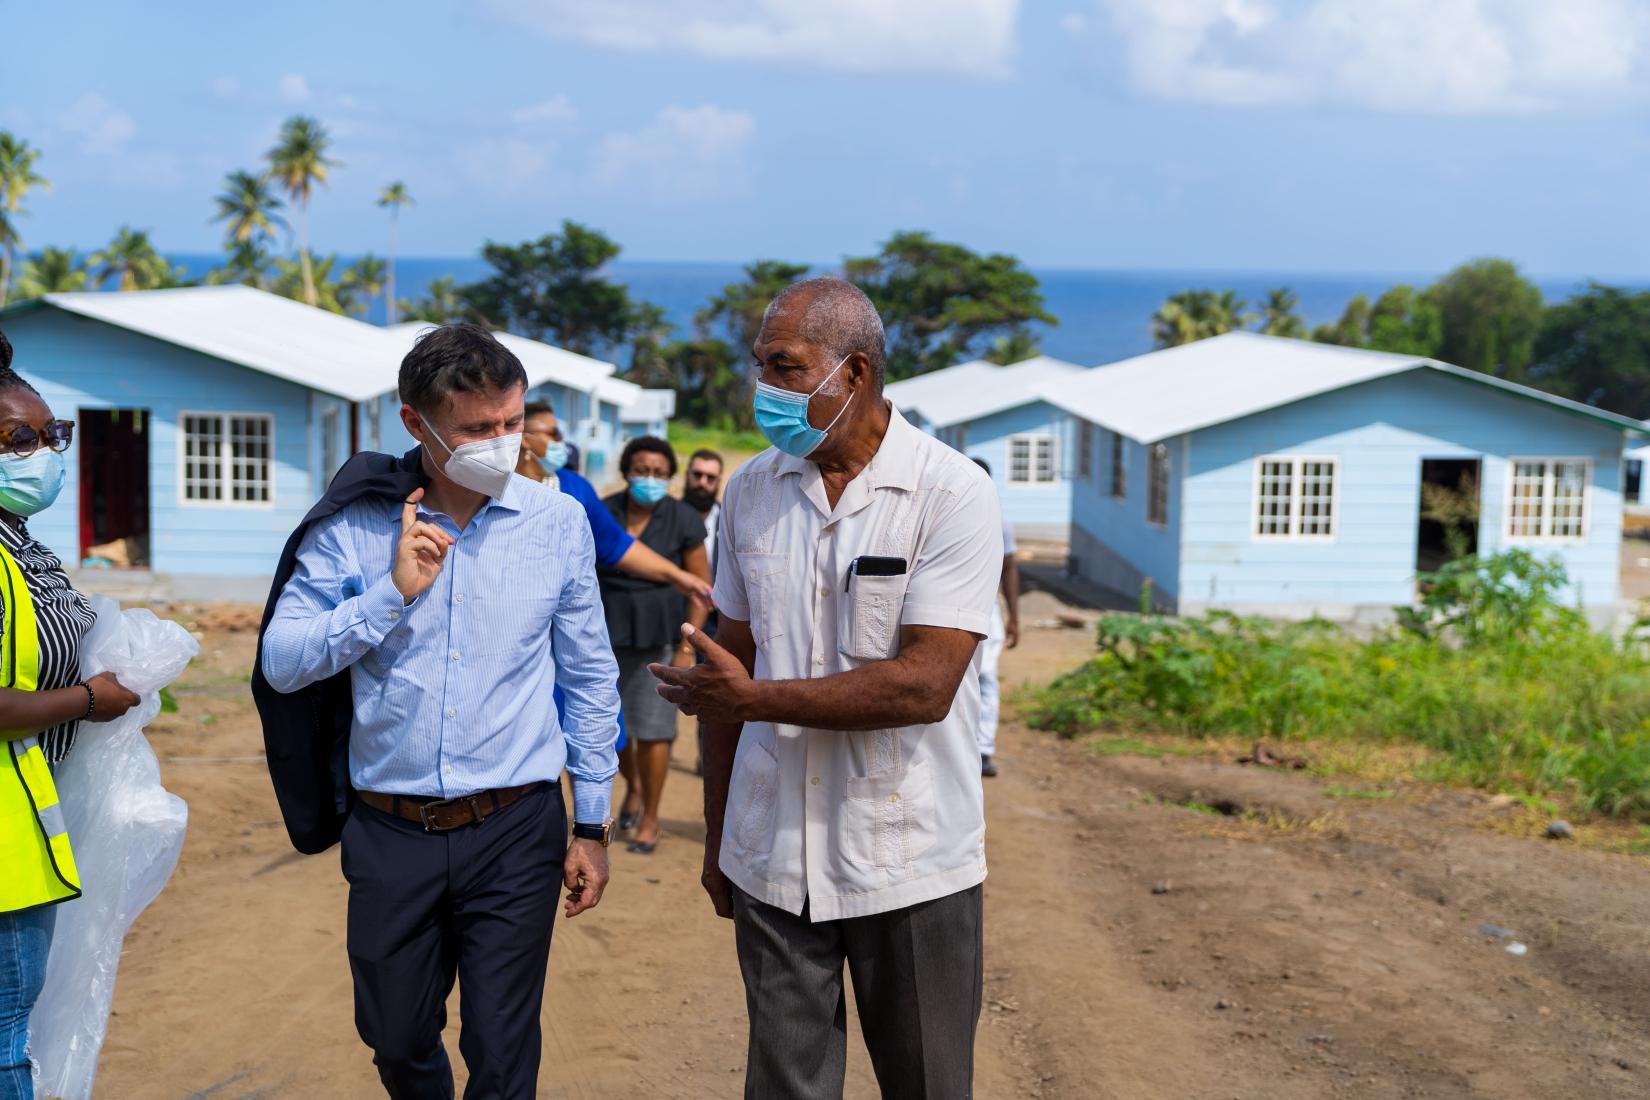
{"type": "Point", "coordinates": [476, 904]}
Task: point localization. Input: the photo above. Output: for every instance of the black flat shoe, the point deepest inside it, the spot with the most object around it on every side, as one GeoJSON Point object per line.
{"type": "Point", "coordinates": [628, 822]}
{"type": "Point", "coordinates": [988, 766]}
{"type": "Point", "coordinates": [641, 849]}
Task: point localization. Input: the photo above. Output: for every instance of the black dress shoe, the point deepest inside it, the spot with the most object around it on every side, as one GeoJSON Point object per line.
{"type": "Point", "coordinates": [988, 767]}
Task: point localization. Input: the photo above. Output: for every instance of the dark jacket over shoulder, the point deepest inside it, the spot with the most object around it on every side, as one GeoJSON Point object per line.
{"type": "Point", "coordinates": [306, 733]}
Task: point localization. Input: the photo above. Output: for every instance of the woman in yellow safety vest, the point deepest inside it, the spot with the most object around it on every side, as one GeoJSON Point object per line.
{"type": "Point", "coordinates": [42, 703]}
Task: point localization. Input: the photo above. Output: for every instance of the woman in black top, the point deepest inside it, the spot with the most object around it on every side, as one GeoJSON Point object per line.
{"type": "Point", "coordinates": [644, 623]}
{"type": "Point", "coordinates": [32, 472]}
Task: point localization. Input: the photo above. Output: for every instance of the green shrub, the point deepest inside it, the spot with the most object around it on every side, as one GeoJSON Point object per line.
{"type": "Point", "coordinates": [1491, 670]}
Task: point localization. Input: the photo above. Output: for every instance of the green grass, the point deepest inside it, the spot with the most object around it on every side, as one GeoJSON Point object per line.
{"type": "Point", "coordinates": [1133, 746]}
{"type": "Point", "coordinates": [687, 438]}
{"type": "Point", "coordinates": [1509, 688]}
{"type": "Point", "coordinates": [1372, 795]}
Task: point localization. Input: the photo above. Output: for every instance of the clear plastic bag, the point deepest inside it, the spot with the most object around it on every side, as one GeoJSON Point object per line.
{"type": "Point", "coordinates": [127, 831]}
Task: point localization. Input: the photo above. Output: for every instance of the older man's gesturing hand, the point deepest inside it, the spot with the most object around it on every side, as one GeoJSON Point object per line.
{"type": "Point", "coordinates": [716, 690]}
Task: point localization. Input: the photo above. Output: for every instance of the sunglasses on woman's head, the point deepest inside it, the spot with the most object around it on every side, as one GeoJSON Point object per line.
{"type": "Point", "coordinates": [25, 439]}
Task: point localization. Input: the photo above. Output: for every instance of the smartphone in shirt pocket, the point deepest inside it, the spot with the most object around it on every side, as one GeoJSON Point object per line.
{"type": "Point", "coordinates": [868, 625]}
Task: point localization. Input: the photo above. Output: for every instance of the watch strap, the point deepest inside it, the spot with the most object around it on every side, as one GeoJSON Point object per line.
{"type": "Point", "coordinates": [601, 834]}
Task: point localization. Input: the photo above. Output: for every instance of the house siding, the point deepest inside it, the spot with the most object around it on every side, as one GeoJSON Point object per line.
{"type": "Point", "coordinates": [1112, 543]}
{"type": "Point", "coordinates": [1379, 432]}
{"type": "Point", "coordinates": [1034, 511]}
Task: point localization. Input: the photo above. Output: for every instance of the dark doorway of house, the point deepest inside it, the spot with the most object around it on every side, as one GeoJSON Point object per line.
{"type": "Point", "coordinates": [1450, 507]}
{"type": "Point", "coordinates": [114, 486]}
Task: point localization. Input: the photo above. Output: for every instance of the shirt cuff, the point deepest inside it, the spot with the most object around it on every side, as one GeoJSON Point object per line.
{"type": "Point", "coordinates": [592, 802]}
{"type": "Point", "coordinates": [951, 618]}
{"type": "Point", "coordinates": [383, 608]}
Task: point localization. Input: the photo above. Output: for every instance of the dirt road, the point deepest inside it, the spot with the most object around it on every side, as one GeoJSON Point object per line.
{"type": "Point", "coordinates": [1140, 943]}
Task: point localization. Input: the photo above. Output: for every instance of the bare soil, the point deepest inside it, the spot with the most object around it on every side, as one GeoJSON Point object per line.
{"type": "Point", "coordinates": [1155, 928]}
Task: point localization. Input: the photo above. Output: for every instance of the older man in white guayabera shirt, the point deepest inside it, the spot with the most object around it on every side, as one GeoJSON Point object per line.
{"type": "Point", "coordinates": [859, 561]}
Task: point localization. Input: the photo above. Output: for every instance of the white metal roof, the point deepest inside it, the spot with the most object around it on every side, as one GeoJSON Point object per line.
{"type": "Point", "coordinates": [930, 390]}
{"type": "Point", "coordinates": [544, 363]}
{"type": "Point", "coordinates": [972, 392]}
{"type": "Point", "coordinates": [255, 329]}
{"type": "Point", "coordinates": [650, 405]}
{"type": "Point", "coordinates": [617, 391]}
{"type": "Point", "coordinates": [1167, 393]}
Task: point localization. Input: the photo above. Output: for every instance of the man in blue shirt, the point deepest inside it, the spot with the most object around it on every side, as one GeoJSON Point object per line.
{"type": "Point", "coordinates": [456, 613]}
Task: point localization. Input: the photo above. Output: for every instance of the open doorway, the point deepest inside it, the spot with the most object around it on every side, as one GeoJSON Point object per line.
{"type": "Point", "coordinates": [1450, 507]}
{"type": "Point", "coordinates": [114, 487]}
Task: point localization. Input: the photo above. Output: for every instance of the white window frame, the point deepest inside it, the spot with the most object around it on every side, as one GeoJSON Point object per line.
{"type": "Point", "coordinates": [225, 460]}
{"type": "Point", "coordinates": [1297, 469]}
{"type": "Point", "coordinates": [331, 421]}
{"type": "Point", "coordinates": [1117, 468]}
{"type": "Point", "coordinates": [1544, 536]}
{"type": "Point", "coordinates": [1156, 488]}
{"type": "Point", "coordinates": [1034, 440]}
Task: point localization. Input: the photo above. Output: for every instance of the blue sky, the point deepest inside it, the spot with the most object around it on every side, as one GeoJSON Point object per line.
{"type": "Point", "coordinates": [1309, 135]}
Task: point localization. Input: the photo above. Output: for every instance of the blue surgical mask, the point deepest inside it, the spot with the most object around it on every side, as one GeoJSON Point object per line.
{"type": "Point", "coordinates": [29, 485]}
{"type": "Point", "coordinates": [554, 456]}
{"type": "Point", "coordinates": [648, 491]}
{"type": "Point", "coordinates": [783, 416]}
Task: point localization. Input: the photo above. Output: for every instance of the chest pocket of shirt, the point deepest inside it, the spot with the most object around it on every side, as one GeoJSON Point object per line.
{"type": "Point", "coordinates": [867, 627]}
{"type": "Point", "coordinates": [767, 586]}
{"type": "Point", "coordinates": [890, 819]}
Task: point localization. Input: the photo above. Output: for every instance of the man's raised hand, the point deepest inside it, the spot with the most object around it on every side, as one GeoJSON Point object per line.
{"type": "Point", "coordinates": [419, 553]}
{"type": "Point", "coordinates": [716, 690]}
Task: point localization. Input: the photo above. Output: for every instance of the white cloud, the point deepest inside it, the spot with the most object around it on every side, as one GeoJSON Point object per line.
{"type": "Point", "coordinates": [1431, 56]}
{"type": "Point", "coordinates": [226, 87]}
{"type": "Point", "coordinates": [102, 128]}
{"type": "Point", "coordinates": [294, 88]}
{"type": "Point", "coordinates": [686, 154]}
{"type": "Point", "coordinates": [555, 110]}
{"type": "Point", "coordinates": [972, 37]}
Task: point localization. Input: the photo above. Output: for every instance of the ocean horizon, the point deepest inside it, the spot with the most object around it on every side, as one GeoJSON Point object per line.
{"type": "Point", "coordinates": [1105, 315]}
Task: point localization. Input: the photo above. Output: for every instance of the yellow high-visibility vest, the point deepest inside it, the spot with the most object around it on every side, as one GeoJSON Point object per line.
{"type": "Point", "coordinates": [36, 865]}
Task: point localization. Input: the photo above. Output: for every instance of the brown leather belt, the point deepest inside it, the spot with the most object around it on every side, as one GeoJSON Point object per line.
{"type": "Point", "coordinates": [440, 815]}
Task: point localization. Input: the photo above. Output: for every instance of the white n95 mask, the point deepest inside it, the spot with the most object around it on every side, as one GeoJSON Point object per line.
{"type": "Point", "coordinates": [484, 466]}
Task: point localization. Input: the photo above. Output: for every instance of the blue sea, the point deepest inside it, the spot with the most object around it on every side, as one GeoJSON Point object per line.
{"type": "Point", "coordinates": [1104, 315]}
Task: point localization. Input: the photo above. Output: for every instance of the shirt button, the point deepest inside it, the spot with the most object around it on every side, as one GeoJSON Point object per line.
{"type": "Point", "coordinates": [824, 590]}
{"type": "Point", "coordinates": [446, 769]}
{"type": "Point", "coordinates": [455, 654]}
{"type": "Point", "coordinates": [894, 797]}
{"type": "Point", "coordinates": [395, 615]}
{"type": "Point", "coordinates": [459, 598]}
{"type": "Point", "coordinates": [452, 712]}
{"type": "Point", "coordinates": [819, 660]}
{"type": "Point", "coordinates": [814, 780]}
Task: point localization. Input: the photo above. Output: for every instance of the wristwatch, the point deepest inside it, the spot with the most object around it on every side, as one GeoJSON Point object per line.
{"type": "Point", "coordinates": [602, 834]}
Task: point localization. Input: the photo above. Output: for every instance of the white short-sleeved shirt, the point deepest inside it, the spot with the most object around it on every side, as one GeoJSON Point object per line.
{"type": "Point", "coordinates": [857, 822]}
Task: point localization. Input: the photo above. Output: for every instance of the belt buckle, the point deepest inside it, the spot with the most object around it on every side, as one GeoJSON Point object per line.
{"type": "Point", "coordinates": [431, 826]}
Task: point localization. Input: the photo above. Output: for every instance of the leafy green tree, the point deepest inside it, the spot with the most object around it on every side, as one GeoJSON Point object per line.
{"type": "Point", "coordinates": [299, 163]}
{"type": "Point", "coordinates": [1197, 315]}
{"type": "Point", "coordinates": [364, 280]}
{"type": "Point", "coordinates": [300, 278]}
{"type": "Point", "coordinates": [1491, 316]}
{"type": "Point", "coordinates": [939, 300]}
{"type": "Point", "coordinates": [1280, 316]}
{"type": "Point", "coordinates": [247, 264]}
{"type": "Point", "coordinates": [133, 263]}
{"type": "Point", "coordinates": [554, 289]}
{"type": "Point", "coordinates": [52, 271]}
{"type": "Point", "coordinates": [441, 303]}
{"type": "Point", "coordinates": [1406, 321]}
{"type": "Point", "coordinates": [251, 215]}
{"type": "Point", "coordinates": [1596, 348]}
{"type": "Point", "coordinates": [1352, 330]}
{"type": "Point", "coordinates": [736, 313]}
{"type": "Point", "coordinates": [17, 178]}
{"type": "Point", "coordinates": [393, 198]}
{"type": "Point", "coordinates": [1016, 346]}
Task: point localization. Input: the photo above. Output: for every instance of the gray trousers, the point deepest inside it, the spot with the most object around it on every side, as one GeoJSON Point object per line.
{"type": "Point", "coordinates": [918, 977]}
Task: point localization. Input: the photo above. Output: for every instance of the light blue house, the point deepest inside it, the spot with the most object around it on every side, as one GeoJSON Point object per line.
{"type": "Point", "coordinates": [208, 421]}
{"type": "Point", "coordinates": [1002, 414]}
{"type": "Point", "coordinates": [1280, 477]}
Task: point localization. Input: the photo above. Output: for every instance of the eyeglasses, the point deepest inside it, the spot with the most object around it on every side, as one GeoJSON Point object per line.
{"type": "Point", "coordinates": [25, 439]}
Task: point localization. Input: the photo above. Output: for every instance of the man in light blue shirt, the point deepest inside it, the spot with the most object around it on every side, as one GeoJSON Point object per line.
{"type": "Point", "coordinates": [456, 614]}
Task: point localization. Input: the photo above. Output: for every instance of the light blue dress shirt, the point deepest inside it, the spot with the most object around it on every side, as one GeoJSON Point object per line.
{"type": "Point", "coordinates": [453, 692]}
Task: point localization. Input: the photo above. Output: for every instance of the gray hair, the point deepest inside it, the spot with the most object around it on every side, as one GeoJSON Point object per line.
{"type": "Point", "coordinates": [838, 317]}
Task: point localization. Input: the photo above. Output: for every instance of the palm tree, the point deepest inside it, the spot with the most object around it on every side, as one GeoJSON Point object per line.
{"type": "Point", "coordinates": [331, 294]}
{"type": "Point", "coordinates": [441, 303]}
{"type": "Point", "coordinates": [1197, 315]}
{"type": "Point", "coordinates": [395, 196]}
{"type": "Point", "coordinates": [298, 162]}
{"type": "Point", "coordinates": [132, 261]}
{"type": "Point", "coordinates": [248, 264]}
{"type": "Point", "coordinates": [17, 175]}
{"type": "Point", "coordinates": [1018, 346]}
{"type": "Point", "coordinates": [247, 208]}
{"type": "Point", "coordinates": [53, 271]}
{"type": "Point", "coordinates": [365, 277]}
{"type": "Point", "coordinates": [1278, 316]}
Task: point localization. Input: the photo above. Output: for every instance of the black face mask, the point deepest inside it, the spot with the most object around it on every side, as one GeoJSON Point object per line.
{"type": "Point", "coordinates": [700, 500]}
